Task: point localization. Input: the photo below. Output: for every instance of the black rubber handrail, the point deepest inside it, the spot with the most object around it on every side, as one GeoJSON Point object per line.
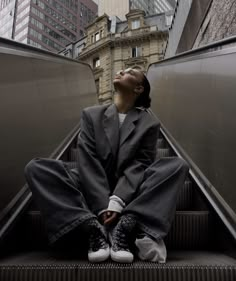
{"type": "Point", "coordinates": [200, 50]}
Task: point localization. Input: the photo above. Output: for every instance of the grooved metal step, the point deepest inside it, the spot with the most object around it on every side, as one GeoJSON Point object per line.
{"type": "Point", "coordinates": [71, 165]}
{"type": "Point", "coordinates": [185, 200]}
{"type": "Point", "coordinates": [161, 143]}
{"type": "Point", "coordinates": [164, 152]}
{"type": "Point", "coordinates": [74, 154]}
{"type": "Point", "coordinates": [180, 266]}
{"type": "Point", "coordinates": [189, 230]}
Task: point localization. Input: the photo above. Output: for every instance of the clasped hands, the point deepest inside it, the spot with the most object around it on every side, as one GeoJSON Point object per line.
{"type": "Point", "coordinates": [108, 217]}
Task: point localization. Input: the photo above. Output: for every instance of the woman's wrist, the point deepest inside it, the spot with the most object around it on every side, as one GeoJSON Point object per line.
{"type": "Point", "coordinates": [116, 204]}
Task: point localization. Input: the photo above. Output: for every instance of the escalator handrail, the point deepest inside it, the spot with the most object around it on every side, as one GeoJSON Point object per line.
{"type": "Point", "coordinates": [216, 201]}
{"type": "Point", "coordinates": [206, 49]}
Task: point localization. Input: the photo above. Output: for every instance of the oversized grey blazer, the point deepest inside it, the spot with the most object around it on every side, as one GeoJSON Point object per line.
{"type": "Point", "coordinates": [112, 161]}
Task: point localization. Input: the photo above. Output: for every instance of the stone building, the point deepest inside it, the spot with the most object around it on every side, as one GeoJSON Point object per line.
{"type": "Point", "coordinates": [219, 23]}
{"type": "Point", "coordinates": [198, 23]}
{"type": "Point", "coordinates": [111, 45]}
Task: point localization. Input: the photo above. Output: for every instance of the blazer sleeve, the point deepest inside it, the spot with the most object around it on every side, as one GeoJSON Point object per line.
{"type": "Point", "coordinates": [94, 183]}
{"type": "Point", "coordinates": [133, 175]}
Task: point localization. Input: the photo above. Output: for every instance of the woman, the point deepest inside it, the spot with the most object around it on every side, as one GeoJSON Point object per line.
{"type": "Point", "coordinates": [119, 188]}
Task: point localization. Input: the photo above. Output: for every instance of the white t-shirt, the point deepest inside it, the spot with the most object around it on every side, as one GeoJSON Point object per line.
{"type": "Point", "coordinates": [122, 117]}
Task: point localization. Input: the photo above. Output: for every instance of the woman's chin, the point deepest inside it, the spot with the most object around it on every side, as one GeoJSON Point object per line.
{"type": "Point", "coordinates": [116, 82]}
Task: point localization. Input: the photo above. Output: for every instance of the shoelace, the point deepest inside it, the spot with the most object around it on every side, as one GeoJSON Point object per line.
{"type": "Point", "coordinates": [97, 241]}
{"type": "Point", "coordinates": [120, 240]}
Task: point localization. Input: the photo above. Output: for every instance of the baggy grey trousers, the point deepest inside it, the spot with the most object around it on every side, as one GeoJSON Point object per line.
{"type": "Point", "coordinates": [56, 191]}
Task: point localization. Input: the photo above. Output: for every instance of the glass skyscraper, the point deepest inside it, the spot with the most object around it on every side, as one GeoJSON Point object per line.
{"type": "Point", "coordinates": [49, 24]}
{"type": "Point", "coordinates": [151, 6]}
{"type": "Point", "coordinates": [121, 7]}
{"type": "Point", "coordinates": [7, 16]}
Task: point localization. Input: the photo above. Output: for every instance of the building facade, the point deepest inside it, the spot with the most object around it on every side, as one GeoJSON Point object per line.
{"type": "Point", "coordinates": [50, 24]}
{"type": "Point", "coordinates": [122, 7]}
{"type": "Point", "coordinates": [7, 16]}
{"type": "Point", "coordinates": [111, 45]}
{"type": "Point", "coordinates": [219, 23]}
{"type": "Point", "coordinates": [198, 23]}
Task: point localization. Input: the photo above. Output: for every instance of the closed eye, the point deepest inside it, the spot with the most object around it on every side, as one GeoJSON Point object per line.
{"type": "Point", "coordinates": [130, 71]}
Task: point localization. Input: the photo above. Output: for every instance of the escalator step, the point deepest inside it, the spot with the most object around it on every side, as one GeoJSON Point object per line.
{"type": "Point", "coordinates": [74, 154]}
{"type": "Point", "coordinates": [180, 266]}
{"type": "Point", "coordinates": [188, 231]}
{"type": "Point", "coordinates": [164, 152]}
{"type": "Point", "coordinates": [71, 165]}
{"type": "Point", "coordinates": [185, 200]}
{"type": "Point", "coordinates": [161, 143]}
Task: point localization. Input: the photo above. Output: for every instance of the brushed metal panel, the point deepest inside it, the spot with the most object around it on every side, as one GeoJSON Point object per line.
{"type": "Point", "coordinates": [41, 97]}
{"type": "Point", "coordinates": [194, 97]}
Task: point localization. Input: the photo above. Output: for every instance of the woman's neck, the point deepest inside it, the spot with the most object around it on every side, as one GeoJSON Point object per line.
{"type": "Point", "coordinates": [122, 107]}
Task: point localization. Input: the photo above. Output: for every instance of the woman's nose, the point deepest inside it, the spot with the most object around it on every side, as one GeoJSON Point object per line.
{"type": "Point", "coordinates": [120, 72]}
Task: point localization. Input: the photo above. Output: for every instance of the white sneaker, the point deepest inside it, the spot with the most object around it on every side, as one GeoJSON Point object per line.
{"type": "Point", "coordinates": [120, 240]}
{"type": "Point", "coordinates": [99, 249]}
{"type": "Point", "coordinates": [100, 255]}
{"type": "Point", "coordinates": [122, 256]}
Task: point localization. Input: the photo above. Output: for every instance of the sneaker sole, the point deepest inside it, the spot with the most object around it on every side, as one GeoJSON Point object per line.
{"type": "Point", "coordinates": [96, 257]}
{"type": "Point", "coordinates": [118, 257]}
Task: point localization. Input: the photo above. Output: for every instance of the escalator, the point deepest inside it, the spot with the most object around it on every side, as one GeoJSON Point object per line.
{"type": "Point", "coordinates": [200, 244]}
{"type": "Point", "coordinates": [194, 253]}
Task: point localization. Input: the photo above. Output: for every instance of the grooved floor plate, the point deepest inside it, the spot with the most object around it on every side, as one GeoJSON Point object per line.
{"type": "Point", "coordinates": [175, 258]}
{"type": "Point", "coordinates": [181, 266]}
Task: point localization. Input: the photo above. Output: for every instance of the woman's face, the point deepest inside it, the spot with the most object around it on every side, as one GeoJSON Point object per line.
{"type": "Point", "coordinates": [128, 79]}
{"type": "Point", "coordinates": [126, 83]}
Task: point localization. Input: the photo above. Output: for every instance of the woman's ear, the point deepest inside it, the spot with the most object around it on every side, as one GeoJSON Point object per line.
{"type": "Point", "coordinates": [138, 90]}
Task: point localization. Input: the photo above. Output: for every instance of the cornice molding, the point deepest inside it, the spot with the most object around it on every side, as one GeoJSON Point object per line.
{"type": "Point", "coordinates": [121, 41]}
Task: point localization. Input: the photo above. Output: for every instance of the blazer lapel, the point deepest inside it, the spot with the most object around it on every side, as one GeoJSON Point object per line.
{"type": "Point", "coordinates": [125, 130]}
{"type": "Point", "coordinates": [111, 127]}
{"type": "Point", "coordinates": [128, 125]}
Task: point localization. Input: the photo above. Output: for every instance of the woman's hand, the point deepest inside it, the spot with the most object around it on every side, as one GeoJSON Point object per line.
{"type": "Point", "coordinates": [111, 217]}
{"type": "Point", "coordinates": [103, 217]}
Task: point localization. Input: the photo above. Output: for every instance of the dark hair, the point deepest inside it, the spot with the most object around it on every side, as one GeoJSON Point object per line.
{"type": "Point", "coordinates": [144, 98]}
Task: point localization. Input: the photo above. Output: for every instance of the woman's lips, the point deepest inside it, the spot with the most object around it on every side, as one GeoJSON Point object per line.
{"type": "Point", "coordinates": [117, 77]}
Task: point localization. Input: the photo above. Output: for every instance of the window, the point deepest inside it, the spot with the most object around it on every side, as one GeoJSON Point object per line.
{"type": "Point", "coordinates": [169, 20]}
{"type": "Point", "coordinates": [135, 24]}
{"type": "Point", "coordinates": [135, 52]}
{"type": "Point", "coordinates": [96, 62]}
{"type": "Point", "coordinates": [97, 36]}
{"type": "Point", "coordinates": [80, 48]}
{"type": "Point", "coordinates": [97, 84]}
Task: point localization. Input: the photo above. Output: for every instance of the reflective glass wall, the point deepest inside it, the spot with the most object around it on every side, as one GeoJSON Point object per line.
{"type": "Point", "coordinates": [7, 14]}
{"type": "Point", "coordinates": [47, 24]}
